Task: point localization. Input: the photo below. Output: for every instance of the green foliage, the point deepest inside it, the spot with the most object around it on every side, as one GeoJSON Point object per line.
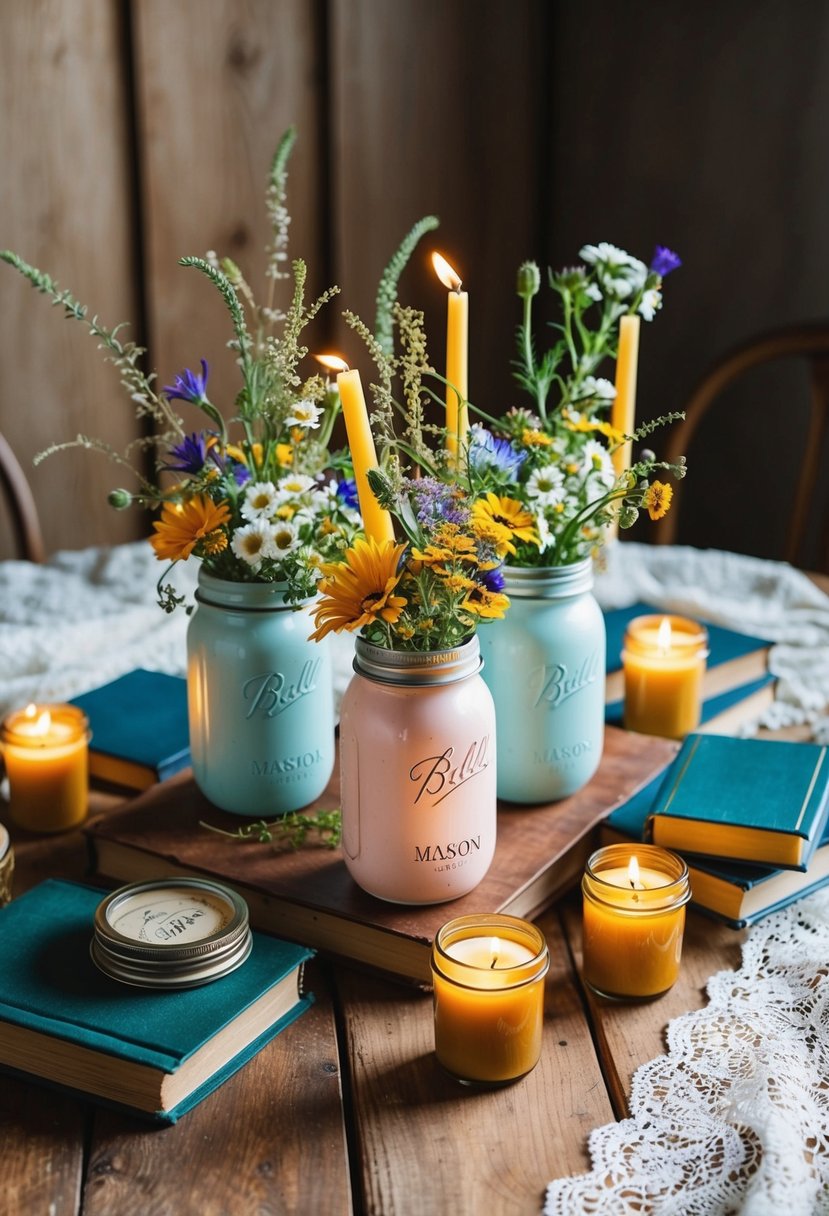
{"type": "Point", "coordinates": [291, 831]}
{"type": "Point", "coordinates": [390, 278]}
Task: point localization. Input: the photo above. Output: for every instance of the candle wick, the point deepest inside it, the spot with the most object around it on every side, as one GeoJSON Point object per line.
{"type": "Point", "coordinates": [494, 961]}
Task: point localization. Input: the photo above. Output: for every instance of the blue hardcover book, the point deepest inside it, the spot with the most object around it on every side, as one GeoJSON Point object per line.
{"type": "Point", "coordinates": [721, 713]}
{"type": "Point", "coordinates": [735, 659]}
{"type": "Point", "coordinates": [738, 894]}
{"type": "Point", "coordinates": [751, 800]}
{"type": "Point", "coordinates": [139, 728]}
{"type": "Point", "coordinates": [156, 1053]}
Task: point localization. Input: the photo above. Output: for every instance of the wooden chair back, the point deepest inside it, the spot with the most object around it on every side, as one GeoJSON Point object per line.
{"type": "Point", "coordinates": [15, 487]}
{"type": "Point", "coordinates": [805, 342]}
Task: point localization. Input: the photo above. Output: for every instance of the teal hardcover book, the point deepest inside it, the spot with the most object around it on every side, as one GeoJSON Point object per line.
{"type": "Point", "coordinates": [750, 800]}
{"type": "Point", "coordinates": [738, 894]}
{"type": "Point", "coordinates": [140, 733]}
{"type": "Point", "coordinates": [156, 1053]}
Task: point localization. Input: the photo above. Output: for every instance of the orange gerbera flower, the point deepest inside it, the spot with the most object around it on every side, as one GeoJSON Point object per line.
{"type": "Point", "coordinates": [358, 591]}
{"type": "Point", "coordinates": [657, 499]}
{"type": "Point", "coordinates": [184, 524]}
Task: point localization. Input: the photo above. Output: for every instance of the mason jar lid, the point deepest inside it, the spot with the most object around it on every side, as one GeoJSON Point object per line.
{"type": "Point", "coordinates": [548, 582]}
{"type": "Point", "coordinates": [428, 667]}
{"type": "Point", "coordinates": [171, 933]}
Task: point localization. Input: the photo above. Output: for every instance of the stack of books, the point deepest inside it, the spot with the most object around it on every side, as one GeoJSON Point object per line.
{"type": "Point", "coordinates": [737, 686]}
{"type": "Point", "coordinates": [748, 815]}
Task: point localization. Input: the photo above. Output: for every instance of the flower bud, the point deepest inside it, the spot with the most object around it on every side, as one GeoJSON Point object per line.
{"type": "Point", "coordinates": [647, 456]}
{"type": "Point", "coordinates": [119, 499]}
{"type": "Point", "coordinates": [628, 516]}
{"type": "Point", "coordinates": [529, 280]}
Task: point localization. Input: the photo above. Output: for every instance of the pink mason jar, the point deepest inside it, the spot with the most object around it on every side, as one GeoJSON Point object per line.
{"type": "Point", "coordinates": [417, 758]}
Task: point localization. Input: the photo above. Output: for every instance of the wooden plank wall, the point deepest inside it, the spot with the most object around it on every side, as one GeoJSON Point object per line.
{"type": "Point", "coordinates": [135, 131]}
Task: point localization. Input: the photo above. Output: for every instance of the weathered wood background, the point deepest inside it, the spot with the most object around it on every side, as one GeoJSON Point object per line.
{"type": "Point", "coordinates": [135, 131]}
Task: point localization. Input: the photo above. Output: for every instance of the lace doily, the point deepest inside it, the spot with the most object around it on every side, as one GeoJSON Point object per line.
{"type": "Point", "coordinates": [735, 1118]}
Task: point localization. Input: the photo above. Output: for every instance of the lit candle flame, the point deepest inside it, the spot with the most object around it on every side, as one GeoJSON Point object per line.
{"type": "Point", "coordinates": [495, 947]}
{"type": "Point", "coordinates": [41, 721]}
{"type": "Point", "coordinates": [634, 877]}
{"type": "Point", "coordinates": [663, 636]}
{"type": "Point", "coordinates": [333, 362]}
{"type": "Point", "coordinates": [448, 277]}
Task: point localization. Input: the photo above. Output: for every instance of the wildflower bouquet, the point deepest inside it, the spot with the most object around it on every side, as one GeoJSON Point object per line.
{"type": "Point", "coordinates": [258, 506]}
{"type": "Point", "coordinates": [553, 470]}
{"type": "Point", "coordinates": [436, 572]}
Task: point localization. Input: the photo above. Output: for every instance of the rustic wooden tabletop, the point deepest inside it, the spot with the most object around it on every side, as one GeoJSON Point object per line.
{"type": "Point", "coordinates": [347, 1110]}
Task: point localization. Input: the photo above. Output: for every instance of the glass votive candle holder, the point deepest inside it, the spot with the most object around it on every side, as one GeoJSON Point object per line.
{"type": "Point", "coordinates": [6, 867]}
{"type": "Point", "coordinates": [488, 974]}
{"type": "Point", "coordinates": [634, 920]}
{"type": "Point", "coordinates": [46, 756]}
{"type": "Point", "coordinates": [664, 660]}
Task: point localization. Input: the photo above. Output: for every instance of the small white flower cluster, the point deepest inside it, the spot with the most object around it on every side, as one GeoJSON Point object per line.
{"type": "Point", "coordinates": [580, 472]}
{"type": "Point", "coordinates": [281, 517]}
{"type": "Point", "coordinates": [620, 275]}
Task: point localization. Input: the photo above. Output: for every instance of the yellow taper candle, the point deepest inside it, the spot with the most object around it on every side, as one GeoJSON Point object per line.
{"type": "Point", "coordinates": [634, 919]}
{"type": "Point", "coordinates": [376, 521]}
{"type": "Point", "coordinates": [457, 356]}
{"type": "Point", "coordinates": [488, 974]}
{"type": "Point", "coordinates": [623, 416]}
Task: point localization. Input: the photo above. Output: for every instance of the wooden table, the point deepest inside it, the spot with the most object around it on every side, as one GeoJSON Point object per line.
{"type": "Point", "coordinates": [347, 1110]}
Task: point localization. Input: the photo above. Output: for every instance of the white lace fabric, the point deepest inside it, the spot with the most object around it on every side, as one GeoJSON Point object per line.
{"type": "Point", "coordinates": [735, 1118]}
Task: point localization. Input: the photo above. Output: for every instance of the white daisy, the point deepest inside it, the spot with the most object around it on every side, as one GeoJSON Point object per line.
{"type": "Point", "coordinates": [260, 500]}
{"type": "Point", "coordinates": [285, 539]}
{"type": "Point", "coordinates": [254, 543]}
{"type": "Point", "coordinates": [650, 303]}
{"type": "Point", "coordinates": [294, 483]}
{"type": "Point", "coordinates": [305, 413]}
{"type": "Point", "coordinates": [597, 463]}
{"type": "Point", "coordinates": [598, 387]}
{"type": "Point", "coordinates": [545, 535]}
{"type": "Point", "coordinates": [546, 486]}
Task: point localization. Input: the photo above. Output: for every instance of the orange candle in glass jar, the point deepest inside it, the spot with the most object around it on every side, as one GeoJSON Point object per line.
{"type": "Point", "coordinates": [664, 666]}
{"type": "Point", "coordinates": [488, 974]}
{"type": "Point", "coordinates": [46, 756]}
{"type": "Point", "coordinates": [634, 920]}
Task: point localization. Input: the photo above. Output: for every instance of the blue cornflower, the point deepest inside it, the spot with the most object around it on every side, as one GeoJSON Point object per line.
{"type": "Point", "coordinates": [189, 386]}
{"type": "Point", "coordinates": [191, 454]}
{"type": "Point", "coordinates": [491, 455]}
{"type": "Point", "coordinates": [664, 261]}
{"type": "Point", "coordinates": [241, 473]}
{"type": "Point", "coordinates": [347, 491]}
{"type": "Point", "coordinates": [493, 580]}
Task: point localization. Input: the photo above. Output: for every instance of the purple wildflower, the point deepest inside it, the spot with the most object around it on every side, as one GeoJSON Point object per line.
{"type": "Point", "coordinates": [664, 261]}
{"type": "Point", "coordinates": [490, 455]}
{"type": "Point", "coordinates": [191, 454]}
{"type": "Point", "coordinates": [241, 473]}
{"type": "Point", "coordinates": [189, 386]}
{"type": "Point", "coordinates": [435, 503]}
{"type": "Point", "coordinates": [347, 493]}
{"type": "Point", "coordinates": [493, 580]}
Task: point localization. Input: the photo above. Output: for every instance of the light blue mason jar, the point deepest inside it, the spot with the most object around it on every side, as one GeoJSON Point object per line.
{"type": "Point", "coordinates": [545, 667]}
{"type": "Point", "coordinates": [260, 699]}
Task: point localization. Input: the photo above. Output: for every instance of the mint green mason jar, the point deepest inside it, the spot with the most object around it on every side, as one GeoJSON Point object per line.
{"type": "Point", "coordinates": [544, 664]}
{"type": "Point", "coordinates": [260, 699]}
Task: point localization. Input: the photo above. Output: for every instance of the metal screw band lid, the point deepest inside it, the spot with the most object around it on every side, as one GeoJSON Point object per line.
{"type": "Point", "coordinates": [172, 933]}
{"type": "Point", "coordinates": [428, 667]}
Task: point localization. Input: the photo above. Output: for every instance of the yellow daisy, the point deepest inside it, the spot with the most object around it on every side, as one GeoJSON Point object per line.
{"type": "Point", "coordinates": [485, 603]}
{"type": "Point", "coordinates": [184, 524]}
{"type": "Point", "coordinates": [535, 439]}
{"type": "Point", "coordinates": [657, 499]}
{"type": "Point", "coordinates": [503, 520]}
{"type": "Point", "coordinates": [358, 591]}
{"type": "Point", "coordinates": [284, 454]}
